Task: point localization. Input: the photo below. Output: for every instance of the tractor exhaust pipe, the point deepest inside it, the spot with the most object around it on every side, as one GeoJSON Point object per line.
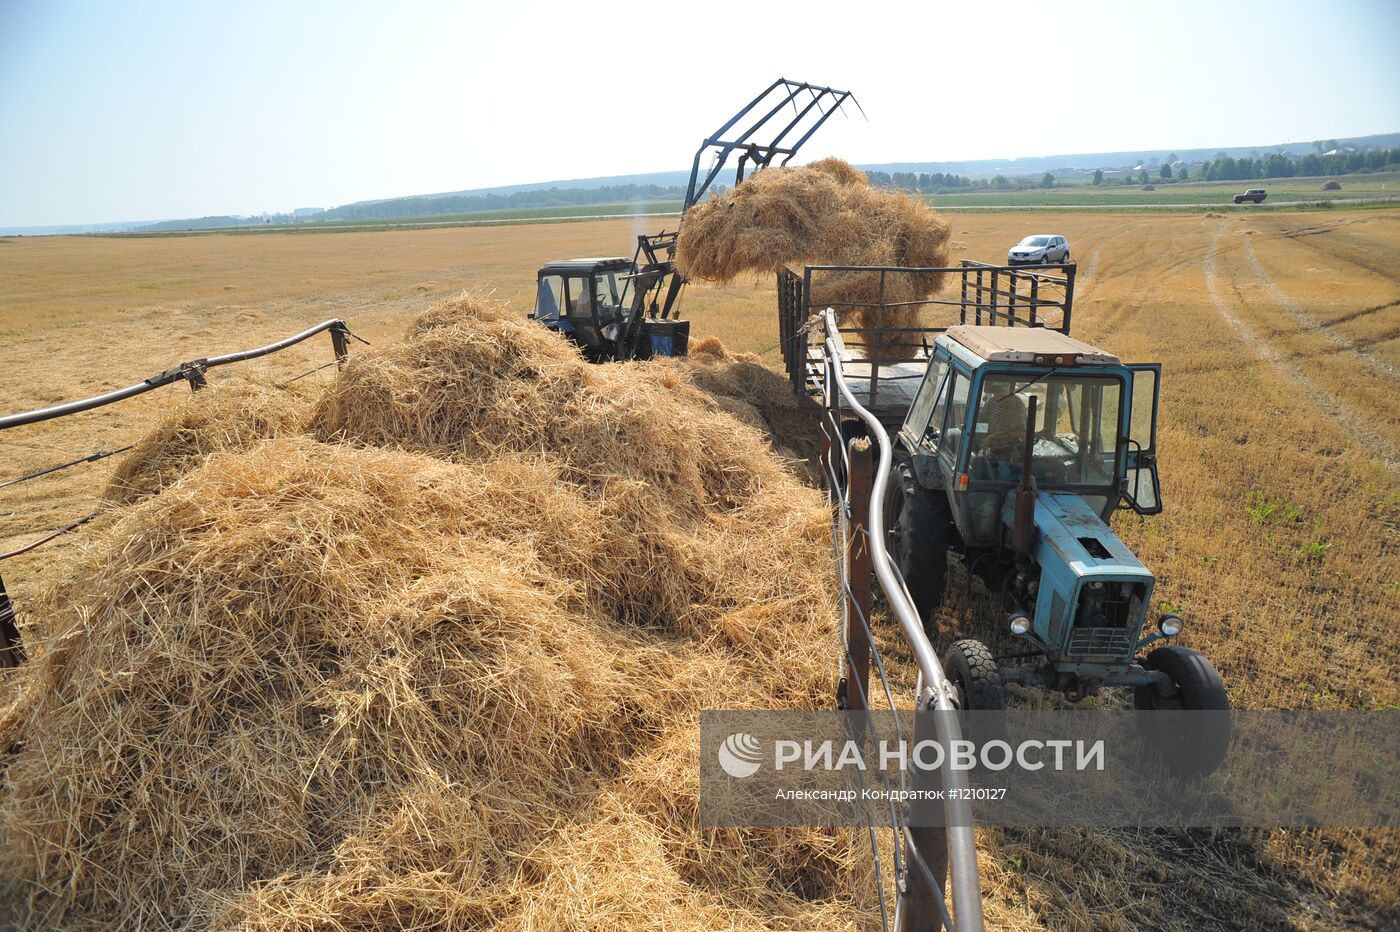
{"type": "Point", "coordinates": [1023, 525]}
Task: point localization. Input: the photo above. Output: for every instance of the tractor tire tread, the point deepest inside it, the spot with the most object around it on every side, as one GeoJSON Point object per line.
{"type": "Point", "coordinates": [974, 664]}
{"type": "Point", "coordinates": [1199, 684]}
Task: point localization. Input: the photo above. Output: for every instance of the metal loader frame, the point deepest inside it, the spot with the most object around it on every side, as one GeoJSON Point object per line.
{"type": "Point", "coordinates": [885, 372]}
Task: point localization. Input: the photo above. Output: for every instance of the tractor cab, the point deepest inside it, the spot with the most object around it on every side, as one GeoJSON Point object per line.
{"type": "Point", "coordinates": [1094, 434]}
{"type": "Point", "coordinates": [603, 306]}
{"type": "Point", "coordinates": [1028, 440]}
{"type": "Point", "coordinates": [582, 298]}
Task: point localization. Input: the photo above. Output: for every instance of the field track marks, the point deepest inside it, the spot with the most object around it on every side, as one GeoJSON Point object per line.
{"type": "Point", "coordinates": [1307, 320]}
{"type": "Point", "coordinates": [1090, 270]}
{"type": "Point", "coordinates": [1157, 276]}
{"type": "Point", "coordinates": [1354, 426]}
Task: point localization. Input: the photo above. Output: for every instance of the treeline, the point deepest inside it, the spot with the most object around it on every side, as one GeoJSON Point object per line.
{"type": "Point", "coordinates": [478, 203]}
{"type": "Point", "coordinates": [921, 182]}
{"type": "Point", "coordinates": [1278, 165]}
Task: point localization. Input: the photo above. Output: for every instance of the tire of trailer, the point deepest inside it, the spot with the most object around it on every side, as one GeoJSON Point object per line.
{"type": "Point", "coordinates": [920, 533]}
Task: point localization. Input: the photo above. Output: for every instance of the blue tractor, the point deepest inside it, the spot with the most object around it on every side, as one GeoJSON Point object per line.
{"type": "Point", "coordinates": [1019, 445]}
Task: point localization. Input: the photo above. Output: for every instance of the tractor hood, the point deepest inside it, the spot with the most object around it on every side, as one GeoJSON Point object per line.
{"type": "Point", "coordinates": [1078, 538]}
{"type": "Point", "coordinates": [1093, 593]}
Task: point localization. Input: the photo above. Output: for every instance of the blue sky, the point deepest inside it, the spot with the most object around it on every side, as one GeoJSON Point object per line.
{"type": "Point", "coordinates": [145, 109]}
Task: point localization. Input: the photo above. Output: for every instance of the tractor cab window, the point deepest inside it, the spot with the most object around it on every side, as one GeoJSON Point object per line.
{"type": "Point", "coordinates": [1075, 435]}
{"type": "Point", "coordinates": [580, 298]}
{"type": "Point", "coordinates": [607, 289]}
{"type": "Point", "coordinates": [921, 411]}
{"type": "Point", "coordinates": [948, 418]}
{"type": "Point", "coordinates": [549, 297]}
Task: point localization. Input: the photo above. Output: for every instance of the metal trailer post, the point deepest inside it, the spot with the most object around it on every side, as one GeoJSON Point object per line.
{"type": "Point", "coordinates": [859, 572]}
{"type": "Point", "coordinates": [1070, 272]}
{"type": "Point", "coordinates": [961, 850]}
{"type": "Point", "coordinates": [928, 837]}
{"type": "Point", "coordinates": [339, 345]}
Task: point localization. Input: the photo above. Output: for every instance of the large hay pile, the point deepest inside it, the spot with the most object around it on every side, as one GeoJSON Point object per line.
{"type": "Point", "coordinates": [825, 213]}
{"type": "Point", "coordinates": [426, 652]}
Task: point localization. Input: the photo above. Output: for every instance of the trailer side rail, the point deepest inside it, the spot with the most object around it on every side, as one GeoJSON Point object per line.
{"type": "Point", "coordinates": [855, 472]}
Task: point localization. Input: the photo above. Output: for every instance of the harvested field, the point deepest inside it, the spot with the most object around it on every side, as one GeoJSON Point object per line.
{"type": "Point", "coordinates": [1280, 542]}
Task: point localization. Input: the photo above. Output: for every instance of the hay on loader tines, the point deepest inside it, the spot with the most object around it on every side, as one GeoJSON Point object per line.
{"type": "Point", "coordinates": [821, 214]}
{"type": "Point", "coordinates": [439, 668]}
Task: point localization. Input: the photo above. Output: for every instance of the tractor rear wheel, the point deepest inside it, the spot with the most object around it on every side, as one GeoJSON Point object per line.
{"type": "Point", "coordinates": [919, 533]}
{"type": "Point", "coordinates": [1195, 747]}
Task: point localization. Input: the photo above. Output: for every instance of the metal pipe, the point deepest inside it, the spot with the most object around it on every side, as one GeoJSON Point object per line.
{"type": "Point", "coordinates": [186, 370]}
{"type": "Point", "coordinates": [962, 849]}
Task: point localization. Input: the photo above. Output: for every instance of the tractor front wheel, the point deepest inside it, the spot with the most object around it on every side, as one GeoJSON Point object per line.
{"type": "Point", "coordinates": [1192, 745]}
{"type": "Point", "coordinates": [972, 670]}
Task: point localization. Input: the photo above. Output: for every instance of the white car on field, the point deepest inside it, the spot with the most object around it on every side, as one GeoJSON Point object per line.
{"type": "Point", "coordinates": [1040, 249]}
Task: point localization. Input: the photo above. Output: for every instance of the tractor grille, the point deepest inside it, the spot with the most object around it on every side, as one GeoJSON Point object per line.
{"type": "Point", "coordinates": [1088, 642]}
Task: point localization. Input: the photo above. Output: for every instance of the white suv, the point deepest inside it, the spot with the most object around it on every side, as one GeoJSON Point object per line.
{"type": "Point", "coordinates": [1042, 248]}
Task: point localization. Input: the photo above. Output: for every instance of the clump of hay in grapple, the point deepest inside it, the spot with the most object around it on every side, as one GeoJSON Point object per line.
{"type": "Point", "coordinates": [440, 668]}
{"type": "Point", "coordinates": [842, 171]}
{"type": "Point", "coordinates": [1331, 186]}
{"type": "Point", "coordinates": [228, 415]}
{"type": "Point", "coordinates": [821, 214]}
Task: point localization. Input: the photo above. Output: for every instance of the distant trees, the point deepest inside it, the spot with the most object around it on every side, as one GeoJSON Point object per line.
{"type": "Point", "coordinates": [1142, 176]}
{"type": "Point", "coordinates": [1165, 171]}
{"type": "Point", "coordinates": [1047, 180]}
{"type": "Point", "coordinates": [923, 182]}
{"type": "Point", "coordinates": [1282, 165]}
{"type": "Point", "coordinates": [1098, 176]}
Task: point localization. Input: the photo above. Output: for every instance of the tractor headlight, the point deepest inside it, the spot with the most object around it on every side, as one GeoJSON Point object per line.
{"type": "Point", "coordinates": [1169, 625]}
{"type": "Point", "coordinates": [1020, 624]}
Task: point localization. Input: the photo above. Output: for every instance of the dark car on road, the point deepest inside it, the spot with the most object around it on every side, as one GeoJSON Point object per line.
{"type": "Point", "coordinates": [1253, 195]}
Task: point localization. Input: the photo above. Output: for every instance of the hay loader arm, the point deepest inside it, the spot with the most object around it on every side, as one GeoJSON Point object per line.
{"type": "Point", "coordinates": [766, 117]}
{"type": "Point", "coordinates": [784, 110]}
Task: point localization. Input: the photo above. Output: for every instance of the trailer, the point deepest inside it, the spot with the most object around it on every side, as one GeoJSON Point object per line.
{"type": "Point", "coordinates": [877, 363]}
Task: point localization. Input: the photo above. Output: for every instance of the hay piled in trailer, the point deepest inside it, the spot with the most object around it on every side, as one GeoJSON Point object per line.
{"type": "Point", "coordinates": [436, 662]}
{"type": "Point", "coordinates": [821, 214]}
{"type": "Point", "coordinates": [227, 415]}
